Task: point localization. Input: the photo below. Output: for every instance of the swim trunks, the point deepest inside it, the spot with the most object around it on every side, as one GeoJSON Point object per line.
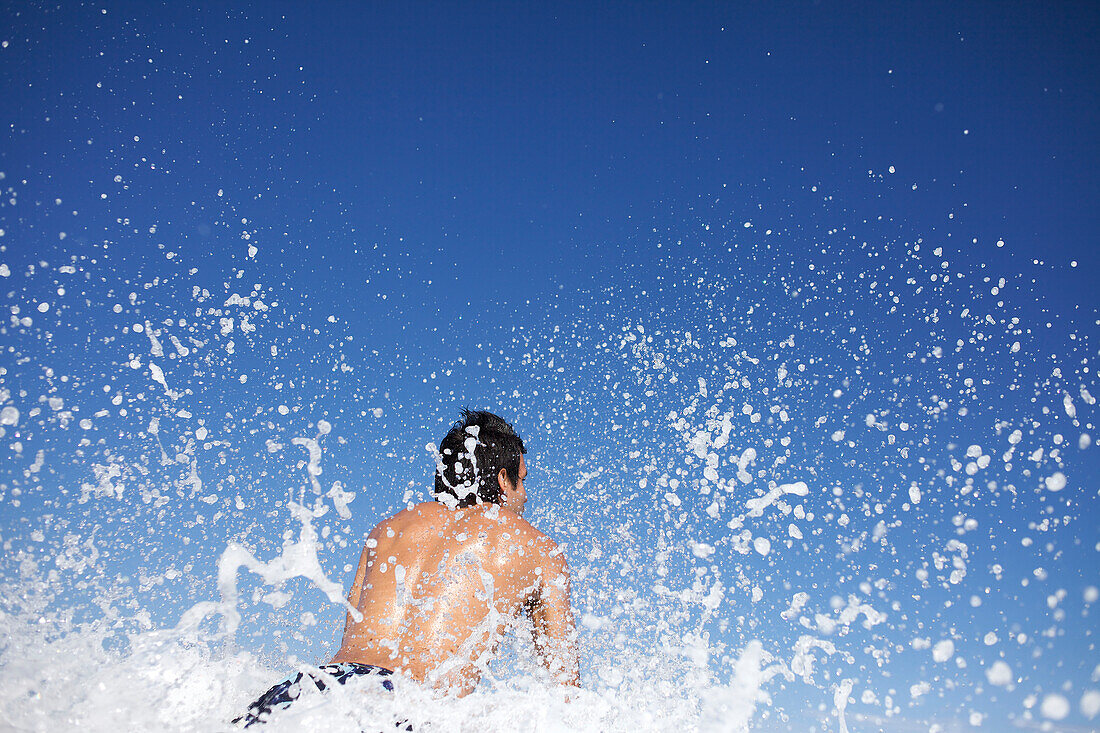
{"type": "Point", "coordinates": [283, 694]}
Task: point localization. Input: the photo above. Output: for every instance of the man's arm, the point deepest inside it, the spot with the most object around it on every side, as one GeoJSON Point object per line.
{"type": "Point", "coordinates": [552, 620]}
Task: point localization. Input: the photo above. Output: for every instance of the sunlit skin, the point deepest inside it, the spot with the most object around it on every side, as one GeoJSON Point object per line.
{"type": "Point", "coordinates": [438, 587]}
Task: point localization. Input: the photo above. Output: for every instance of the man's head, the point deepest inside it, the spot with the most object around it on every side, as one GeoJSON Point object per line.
{"type": "Point", "coordinates": [481, 461]}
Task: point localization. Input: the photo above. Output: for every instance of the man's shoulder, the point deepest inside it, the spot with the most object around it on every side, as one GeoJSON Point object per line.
{"type": "Point", "coordinates": [410, 516]}
{"type": "Point", "coordinates": [425, 509]}
{"type": "Point", "coordinates": [526, 535]}
{"type": "Point", "coordinates": [510, 522]}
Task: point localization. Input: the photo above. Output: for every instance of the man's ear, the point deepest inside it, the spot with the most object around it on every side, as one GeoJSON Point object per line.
{"type": "Point", "coordinates": [503, 482]}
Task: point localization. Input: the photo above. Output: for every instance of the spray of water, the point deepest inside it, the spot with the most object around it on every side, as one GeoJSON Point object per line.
{"type": "Point", "coordinates": [799, 488]}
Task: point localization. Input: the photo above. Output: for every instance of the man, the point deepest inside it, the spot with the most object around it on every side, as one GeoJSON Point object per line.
{"type": "Point", "coordinates": [439, 583]}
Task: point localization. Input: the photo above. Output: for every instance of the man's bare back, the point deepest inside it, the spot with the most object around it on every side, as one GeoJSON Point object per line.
{"type": "Point", "coordinates": [439, 583]}
{"type": "Point", "coordinates": [437, 588]}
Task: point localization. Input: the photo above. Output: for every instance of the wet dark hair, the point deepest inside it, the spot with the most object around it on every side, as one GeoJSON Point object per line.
{"type": "Point", "coordinates": [464, 480]}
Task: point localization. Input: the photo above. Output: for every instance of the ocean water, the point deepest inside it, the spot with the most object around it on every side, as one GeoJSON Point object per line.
{"type": "Point", "coordinates": [838, 488]}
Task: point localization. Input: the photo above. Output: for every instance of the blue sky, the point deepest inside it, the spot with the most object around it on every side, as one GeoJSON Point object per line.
{"type": "Point", "coordinates": [481, 205]}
